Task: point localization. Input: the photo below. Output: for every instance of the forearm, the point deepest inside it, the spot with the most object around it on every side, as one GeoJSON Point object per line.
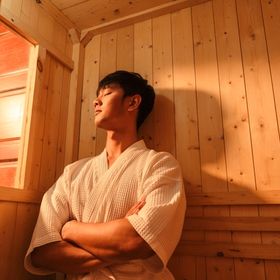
{"type": "Point", "coordinates": [65, 257]}
{"type": "Point", "coordinates": [112, 241]}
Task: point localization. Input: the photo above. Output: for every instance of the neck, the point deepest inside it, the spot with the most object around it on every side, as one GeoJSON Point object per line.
{"type": "Point", "coordinates": [117, 142]}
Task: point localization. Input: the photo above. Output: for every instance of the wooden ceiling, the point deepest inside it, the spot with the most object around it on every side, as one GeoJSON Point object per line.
{"type": "Point", "coordinates": [86, 14]}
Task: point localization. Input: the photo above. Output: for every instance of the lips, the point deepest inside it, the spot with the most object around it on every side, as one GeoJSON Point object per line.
{"type": "Point", "coordinates": [97, 112]}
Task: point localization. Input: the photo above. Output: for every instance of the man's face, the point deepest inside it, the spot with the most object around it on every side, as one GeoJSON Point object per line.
{"type": "Point", "coordinates": [110, 108]}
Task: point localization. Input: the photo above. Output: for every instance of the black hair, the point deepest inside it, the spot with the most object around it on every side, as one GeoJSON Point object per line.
{"type": "Point", "coordinates": [132, 83]}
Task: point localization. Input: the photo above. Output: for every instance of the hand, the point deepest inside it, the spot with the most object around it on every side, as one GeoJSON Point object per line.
{"type": "Point", "coordinates": [136, 208]}
{"type": "Point", "coordinates": [66, 229]}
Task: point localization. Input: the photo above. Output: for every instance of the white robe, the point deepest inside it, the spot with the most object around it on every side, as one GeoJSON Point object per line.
{"type": "Point", "coordinates": [89, 191]}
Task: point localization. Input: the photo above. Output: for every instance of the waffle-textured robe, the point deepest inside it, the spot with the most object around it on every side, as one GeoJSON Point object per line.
{"type": "Point", "coordinates": [89, 191]}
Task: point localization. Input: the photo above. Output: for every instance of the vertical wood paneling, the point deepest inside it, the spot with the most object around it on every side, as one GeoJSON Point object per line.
{"type": "Point", "coordinates": [108, 63]}
{"type": "Point", "coordinates": [24, 224]}
{"type": "Point", "coordinates": [125, 52]}
{"type": "Point", "coordinates": [235, 116]}
{"type": "Point", "coordinates": [209, 111]}
{"type": "Point", "coordinates": [214, 68]}
{"type": "Point", "coordinates": [143, 64]}
{"type": "Point", "coordinates": [163, 84]}
{"type": "Point", "coordinates": [63, 118]}
{"type": "Point", "coordinates": [214, 177]}
{"type": "Point", "coordinates": [51, 127]}
{"type": "Point", "coordinates": [91, 78]}
{"type": "Point", "coordinates": [264, 130]}
{"type": "Point", "coordinates": [8, 212]}
{"type": "Point", "coordinates": [185, 101]}
{"type": "Point", "coordinates": [38, 105]}
{"type": "Point", "coordinates": [271, 12]}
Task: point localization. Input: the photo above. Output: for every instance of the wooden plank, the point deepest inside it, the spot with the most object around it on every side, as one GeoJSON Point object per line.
{"type": "Point", "coordinates": [25, 134]}
{"type": "Point", "coordinates": [9, 149]}
{"type": "Point", "coordinates": [37, 106]}
{"type": "Point", "coordinates": [17, 195]}
{"type": "Point", "coordinates": [87, 137]}
{"type": "Point", "coordinates": [146, 14]}
{"type": "Point", "coordinates": [24, 223]}
{"type": "Point", "coordinates": [125, 48]}
{"type": "Point", "coordinates": [143, 65]}
{"type": "Point", "coordinates": [234, 198]}
{"type": "Point", "coordinates": [73, 102]}
{"type": "Point", "coordinates": [77, 118]}
{"type": "Point", "coordinates": [211, 135]}
{"type": "Point", "coordinates": [187, 142]}
{"type": "Point", "coordinates": [233, 223]}
{"type": "Point", "coordinates": [52, 10]}
{"type": "Point", "coordinates": [15, 49]}
{"type": "Point", "coordinates": [163, 84]}
{"type": "Point", "coordinates": [271, 19]}
{"type": "Point", "coordinates": [263, 121]}
{"type": "Point", "coordinates": [271, 12]}
{"type": "Point", "coordinates": [229, 250]}
{"type": "Point", "coordinates": [14, 81]}
{"type": "Point", "coordinates": [60, 157]}
{"type": "Point", "coordinates": [208, 98]}
{"type": "Point", "coordinates": [11, 115]}
{"type": "Point", "coordinates": [8, 212]}
{"type": "Point", "coordinates": [51, 126]}
{"type": "Point", "coordinates": [108, 63]}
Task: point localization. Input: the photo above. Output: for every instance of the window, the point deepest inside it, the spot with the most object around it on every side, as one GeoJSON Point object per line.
{"type": "Point", "coordinates": [14, 61]}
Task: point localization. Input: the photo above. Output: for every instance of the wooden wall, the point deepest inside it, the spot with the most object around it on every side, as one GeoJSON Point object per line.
{"type": "Point", "coordinates": [41, 23]}
{"type": "Point", "coordinates": [215, 69]}
{"type": "Point", "coordinates": [42, 151]}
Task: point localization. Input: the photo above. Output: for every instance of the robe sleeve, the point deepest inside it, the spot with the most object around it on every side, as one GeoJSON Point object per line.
{"type": "Point", "coordinates": [54, 213]}
{"type": "Point", "coordinates": [160, 221]}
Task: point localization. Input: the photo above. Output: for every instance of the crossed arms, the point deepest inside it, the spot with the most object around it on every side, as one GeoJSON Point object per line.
{"type": "Point", "coordinates": [88, 246]}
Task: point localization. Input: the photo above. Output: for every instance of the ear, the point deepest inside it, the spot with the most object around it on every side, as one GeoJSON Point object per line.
{"type": "Point", "coordinates": [134, 102]}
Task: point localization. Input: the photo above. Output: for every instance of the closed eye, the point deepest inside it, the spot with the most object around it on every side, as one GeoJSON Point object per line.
{"type": "Point", "coordinates": [107, 93]}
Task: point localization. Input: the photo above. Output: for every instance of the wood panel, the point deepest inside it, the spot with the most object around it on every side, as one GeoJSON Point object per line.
{"type": "Point", "coordinates": [46, 152]}
{"type": "Point", "coordinates": [87, 137]}
{"type": "Point", "coordinates": [108, 63]}
{"type": "Point", "coordinates": [216, 65]}
{"type": "Point", "coordinates": [163, 85]}
{"type": "Point", "coordinates": [143, 54]}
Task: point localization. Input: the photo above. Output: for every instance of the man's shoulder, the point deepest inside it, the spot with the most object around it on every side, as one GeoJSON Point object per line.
{"type": "Point", "coordinates": [74, 168]}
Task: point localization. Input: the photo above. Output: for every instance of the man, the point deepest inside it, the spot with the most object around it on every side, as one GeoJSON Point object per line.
{"type": "Point", "coordinates": [118, 215]}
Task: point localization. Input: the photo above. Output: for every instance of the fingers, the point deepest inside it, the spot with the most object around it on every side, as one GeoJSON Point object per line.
{"type": "Point", "coordinates": [136, 208]}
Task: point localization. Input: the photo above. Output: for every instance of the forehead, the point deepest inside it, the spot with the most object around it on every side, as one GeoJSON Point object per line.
{"type": "Point", "coordinates": [111, 86]}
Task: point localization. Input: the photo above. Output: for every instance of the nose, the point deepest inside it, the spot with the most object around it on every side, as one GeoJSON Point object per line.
{"type": "Point", "coordinates": [97, 102]}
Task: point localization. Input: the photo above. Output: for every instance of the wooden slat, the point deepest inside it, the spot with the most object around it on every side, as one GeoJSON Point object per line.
{"type": "Point", "coordinates": [261, 105]}
{"type": "Point", "coordinates": [234, 198]}
{"type": "Point", "coordinates": [51, 127]}
{"type": "Point", "coordinates": [163, 85]}
{"type": "Point", "coordinates": [108, 63]}
{"type": "Point", "coordinates": [8, 212]}
{"type": "Point", "coordinates": [233, 223]}
{"type": "Point", "coordinates": [16, 195]}
{"type": "Point", "coordinates": [187, 142]}
{"type": "Point", "coordinates": [157, 11]}
{"type": "Point", "coordinates": [143, 65]}
{"type": "Point", "coordinates": [63, 116]}
{"type": "Point", "coordinates": [229, 250]}
{"type": "Point", "coordinates": [37, 109]}
{"type": "Point", "coordinates": [125, 52]}
{"type": "Point", "coordinates": [87, 137]}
